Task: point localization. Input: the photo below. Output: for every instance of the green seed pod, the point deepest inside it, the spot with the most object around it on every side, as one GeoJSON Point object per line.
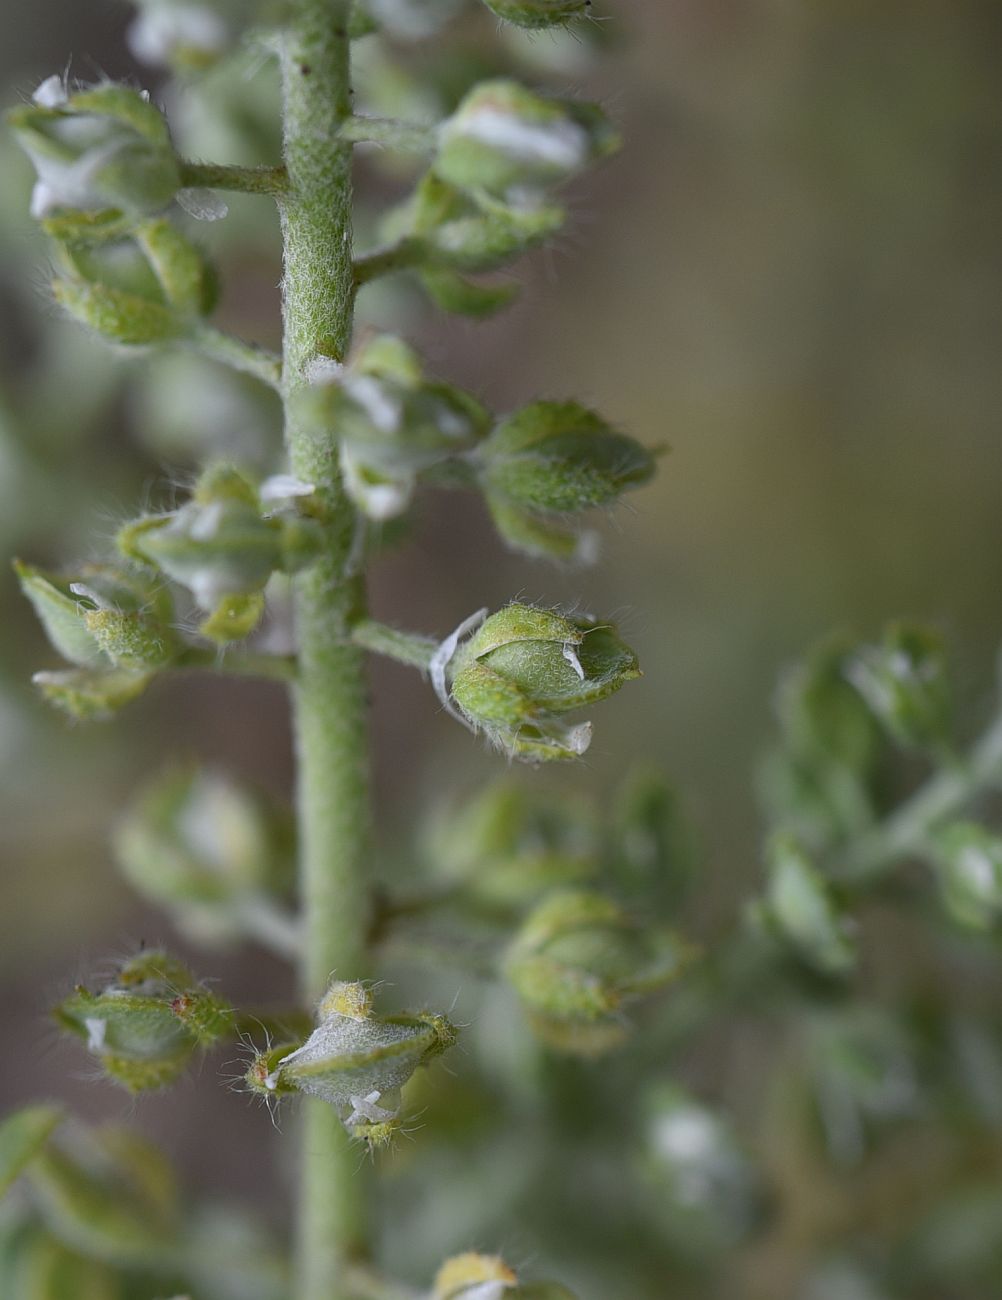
{"type": "Point", "coordinates": [526, 667]}
{"type": "Point", "coordinates": [558, 457]}
{"type": "Point", "coordinates": [540, 537]}
{"type": "Point", "coordinates": [108, 1194]}
{"type": "Point", "coordinates": [536, 14]}
{"type": "Point", "coordinates": [145, 1025]}
{"type": "Point", "coordinates": [392, 424]}
{"type": "Point", "coordinates": [91, 693]}
{"type": "Point", "coordinates": [22, 1135]}
{"type": "Point", "coordinates": [510, 842]}
{"type": "Point", "coordinates": [355, 1060]}
{"type": "Point", "coordinates": [102, 148]}
{"type": "Point", "coordinates": [504, 140]}
{"type": "Point", "coordinates": [904, 681]}
{"type": "Point", "coordinates": [799, 909]}
{"type": "Point", "coordinates": [968, 861]}
{"type": "Point", "coordinates": [117, 316]}
{"type": "Point", "coordinates": [203, 846]}
{"type": "Point", "coordinates": [578, 959]}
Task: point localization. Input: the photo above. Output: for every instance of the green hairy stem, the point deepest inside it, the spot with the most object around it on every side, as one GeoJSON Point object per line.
{"type": "Point", "coordinates": [329, 697]}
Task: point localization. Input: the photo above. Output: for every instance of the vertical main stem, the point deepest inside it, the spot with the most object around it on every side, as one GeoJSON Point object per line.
{"type": "Point", "coordinates": [329, 699]}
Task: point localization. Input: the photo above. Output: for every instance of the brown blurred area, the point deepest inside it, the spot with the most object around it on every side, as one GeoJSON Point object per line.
{"type": "Point", "coordinates": [791, 276]}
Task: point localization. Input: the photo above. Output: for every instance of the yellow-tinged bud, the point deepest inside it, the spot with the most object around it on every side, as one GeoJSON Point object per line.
{"type": "Point", "coordinates": [355, 1060]}
{"type": "Point", "coordinates": [472, 1276]}
{"type": "Point", "coordinates": [145, 1025]}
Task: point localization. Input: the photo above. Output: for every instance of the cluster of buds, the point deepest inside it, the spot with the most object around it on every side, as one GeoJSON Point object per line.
{"type": "Point", "coordinates": [145, 1025]}
{"type": "Point", "coordinates": [526, 668]}
{"type": "Point", "coordinates": [355, 1060]}
{"type": "Point", "coordinates": [106, 170]}
{"type": "Point", "coordinates": [799, 909]}
{"type": "Point", "coordinates": [578, 960]}
{"type": "Point", "coordinates": [223, 545]}
{"type": "Point", "coordinates": [473, 1276]}
{"type": "Point", "coordinates": [206, 848]}
{"type": "Point", "coordinates": [114, 624]}
{"type": "Point", "coordinates": [488, 195]}
{"type": "Point", "coordinates": [391, 423]}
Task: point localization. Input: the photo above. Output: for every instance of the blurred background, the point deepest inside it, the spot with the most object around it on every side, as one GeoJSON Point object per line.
{"type": "Point", "coordinates": [791, 276]}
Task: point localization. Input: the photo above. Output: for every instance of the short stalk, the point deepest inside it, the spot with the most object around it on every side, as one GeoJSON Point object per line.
{"type": "Point", "coordinates": [243, 180]}
{"type": "Point", "coordinates": [405, 647]}
{"type": "Point", "coordinates": [237, 354]}
{"type": "Point", "coordinates": [405, 137]}
{"type": "Point", "coordinates": [401, 256]}
{"type": "Point", "coordinates": [329, 699]}
{"type": "Point", "coordinates": [907, 830]}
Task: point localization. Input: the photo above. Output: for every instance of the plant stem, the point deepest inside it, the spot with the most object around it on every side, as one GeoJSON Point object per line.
{"type": "Point", "coordinates": [237, 354]}
{"type": "Point", "coordinates": [245, 180]}
{"type": "Point", "coordinates": [329, 699]}
{"type": "Point", "coordinates": [907, 830]}
{"type": "Point", "coordinates": [405, 647]}
{"type": "Point", "coordinates": [237, 663]}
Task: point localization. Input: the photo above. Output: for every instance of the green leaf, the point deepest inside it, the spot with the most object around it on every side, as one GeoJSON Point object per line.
{"type": "Point", "coordinates": [22, 1136]}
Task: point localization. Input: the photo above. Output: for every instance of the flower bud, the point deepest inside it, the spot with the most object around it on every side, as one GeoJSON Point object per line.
{"type": "Point", "coordinates": [391, 423]}
{"type": "Point", "coordinates": [800, 910]}
{"type": "Point", "coordinates": [355, 1060]}
{"type": "Point", "coordinates": [540, 537]}
{"type": "Point", "coordinates": [104, 615]}
{"type": "Point", "coordinates": [473, 1276]}
{"type": "Point", "coordinates": [145, 1025]}
{"type": "Point", "coordinates": [509, 843]}
{"type": "Point", "coordinates": [578, 959]}
{"type": "Point", "coordinates": [506, 141]}
{"type": "Point", "coordinates": [185, 37]}
{"type": "Point", "coordinates": [526, 668]}
{"type": "Point", "coordinates": [904, 681]}
{"type": "Point", "coordinates": [470, 234]}
{"type": "Point", "coordinates": [538, 13]}
{"type": "Point", "coordinates": [220, 546]}
{"type": "Point", "coordinates": [204, 847]}
{"type": "Point", "coordinates": [103, 147]}
{"type": "Point", "coordinates": [703, 1182]}
{"type": "Point", "coordinates": [968, 860]}
{"type": "Point", "coordinates": [139, 291]}
{"type": "Point", "coordinates": [558, 457]}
